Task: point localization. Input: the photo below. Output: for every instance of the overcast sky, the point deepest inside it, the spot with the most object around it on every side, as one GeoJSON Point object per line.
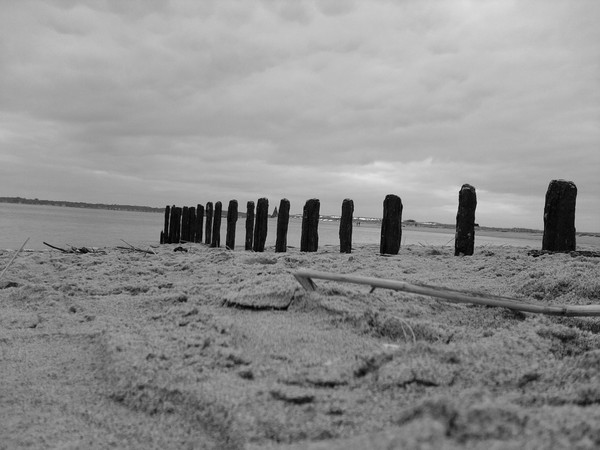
{"type": "Point", "coordinates": [156, 102]}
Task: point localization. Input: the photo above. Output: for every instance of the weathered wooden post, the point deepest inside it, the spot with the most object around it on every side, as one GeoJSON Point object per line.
{"type": "Point", "coordinates": [165, 235]}
{"type": "Point", "coordinates": [185, 223]}
{"type": "Point", "coordinates": [559, 217]}
{"type": "Point", "coordinates": [199, 222]}
{"type": "Point", "coordinates": [192, 224]}
{"type": "Point", "coordinates": [232, 217]}
{"type": "Point", "coordinates": [309, 240]}
{"type": "Point", "coordinates": [391, 225]}
{"type": "Point", "coordinates": [283, 220]}
{"type": "Point", "coordinates": [346, 226]}
{"type": "Point", "coordinates": [216, 229]}
{"type": "Point", "coordinates": [209, 223]}
{"type": "Point", "coordinates": [171, 233]}
{"type": "Point", "coordinates": [464, 240]}
{"type": "Point", "coordinates": [249, 225]}
{"type": "Point", "coordinates": [176, 224]}
{"type": "Point", "coordinates": [260, 227]}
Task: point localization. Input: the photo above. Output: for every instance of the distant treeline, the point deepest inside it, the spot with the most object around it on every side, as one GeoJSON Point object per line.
{"type": "Point", "coordinates": [35, 201]}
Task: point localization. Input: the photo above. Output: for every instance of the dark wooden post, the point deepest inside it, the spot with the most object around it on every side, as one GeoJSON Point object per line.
{"type": "Point", "coordinates": [309, 240]}
{"type": "Point", "coordinates": [171, 234]}
{"type": "Point", "coordinates": [165, 234]}
{"type": "Point", "coordinates": [232, 217]}
{"type": "Point", "coordinates": [249, 225]}
{"type": "Point", "coordinates": [346, 226]}
{"type": "Point", "coordinates": [192, 224]}
{"type": "Point", "coordinates": [209, 220]}
{"type": "Point", "coordinates": [185, 223]}
{"type": "Point", "coordinates": [199, 222]}
{"type": "Point", "coordinates": [261, 224]}
{"type": "Point", "coordinates": [177, 225]}
{"type": "Point", "coordinates": [283, 220]}
{"type": "Point", "coordinates": [464, 240]}
{"type": "Point", "coordinates": [559, 217]}
{"type": "Point", "coordinates": [391, 225]}
{"type": "Point", "coordinates": [216, 229]}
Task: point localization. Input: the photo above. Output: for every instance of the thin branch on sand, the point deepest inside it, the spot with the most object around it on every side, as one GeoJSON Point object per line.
{"type": "Point", "coordinates": [305, 277]}
{"type": "Point", "coordinates": [136, 249]}
{"type": "Point", "coordinates": [13, 258]}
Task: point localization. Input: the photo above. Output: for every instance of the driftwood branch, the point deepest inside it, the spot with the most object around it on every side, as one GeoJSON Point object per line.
{"type": "Point", "coordinates": [13, 258]}
{"type": "Point", "coordinates": [57, 248]}
{"type": "Point", "coordinates": [305, 278]}
{"type": "Point", "coordinates": [136, 249]}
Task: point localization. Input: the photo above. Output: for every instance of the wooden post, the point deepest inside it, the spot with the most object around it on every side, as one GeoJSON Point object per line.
{"type": "Point", "coordinates": [559, 217]}
{"type": "Point", "coordinates": [309, 240]}
{"type": "Point", "coordinates": [165, 235]}
{"type": "Point", "coordinates": [283, 219]}
{"type": "Point", "coordinates": [192, 224]}
{"type": "Point", "coordinates": [464, 240]}
{"type": "Point", "coordinates": [346, 226]}
{"type": "Point", "coordinates": [216, 229]}
{"type": "Point", "coordinates": [209, 220]}
{"type": "Point", "coordinates": [171, 233]}
{"type": "Point", "coordinates": [199, 222]}
{"type": "Point", "coordinates": [249, 225]}
{"type": "Point", "coordinates": [391, 225]}
{"type": "Point", "coordinates": [261, 224]}
{"type": "Point", "coordinates": [232, 217]}
{"type": "Point", "coordinates": [177, 225]}
{"type": "Point", "coordinates": [185, 223]}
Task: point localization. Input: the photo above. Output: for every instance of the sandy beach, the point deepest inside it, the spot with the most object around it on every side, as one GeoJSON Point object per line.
{"type": "Point", "coordinates": [213, 349]}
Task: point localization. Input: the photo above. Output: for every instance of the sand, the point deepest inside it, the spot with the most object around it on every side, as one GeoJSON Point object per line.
{"type": "Point", "coordinates": [213, 349]}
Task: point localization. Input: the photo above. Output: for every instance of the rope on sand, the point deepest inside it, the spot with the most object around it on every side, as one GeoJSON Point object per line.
{"type": "Point", "coordinates": [305, 278]}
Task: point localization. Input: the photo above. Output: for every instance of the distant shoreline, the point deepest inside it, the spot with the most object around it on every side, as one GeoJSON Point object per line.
{"type": "Point", "coordinates": [406, 224]}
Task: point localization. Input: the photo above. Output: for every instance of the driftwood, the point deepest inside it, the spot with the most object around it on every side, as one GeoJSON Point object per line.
{"type": "Point", "coordinates": [136, 249]}
{"type": "Point", "coordinates": [305, 277]}
{"type": "Point", "coordinates": [14, 257]}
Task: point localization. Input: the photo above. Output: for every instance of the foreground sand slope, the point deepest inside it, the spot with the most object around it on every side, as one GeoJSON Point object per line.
{"type": "Point", "coordinates": [219, 349]}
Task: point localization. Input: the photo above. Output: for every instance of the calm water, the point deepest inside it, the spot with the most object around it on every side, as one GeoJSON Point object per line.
{"type": "Point", "coordinates": [80, 227]}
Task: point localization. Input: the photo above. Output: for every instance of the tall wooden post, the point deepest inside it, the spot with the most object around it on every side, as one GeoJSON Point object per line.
{"type": "Point", "coordinates": [176, 224]}
{"type": "Point", "coordinates": [346, 226]}
{"type": "Point", "coordinates": [232, 217]}
{"type": "Point", "coordinates": [309, 240]}
{"type": "Point", "coordinates": [391, 225]}
{"type": "Point", "coordinates": [559, 217]}
{"type": "Point", "coordinates": [283, 219]}
{"type": "Point", "coordinates": [165, 234]}
{"type": "Point", "coordinates": [209, 223]}
{"type": "Point", "coordinates": [185, 222]}
{"type": "Point", "coordinates": [199, 222]}
{"type": "Point", "coordinates": [192, 224]}
{"type": "Point", "coordinates": [261, 224]}
{"type": "Point", "coordinates": [249, 225]}
{"type": "Point", "coordinates": [171, 234]}
{"type": "Point", "coordinates": [216, 229]}
{"type": "Point", "coordinates": [464, 241]}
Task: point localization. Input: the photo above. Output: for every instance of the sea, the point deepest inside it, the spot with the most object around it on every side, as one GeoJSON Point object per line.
{"type": "Point", "coordinates": [67, 227]}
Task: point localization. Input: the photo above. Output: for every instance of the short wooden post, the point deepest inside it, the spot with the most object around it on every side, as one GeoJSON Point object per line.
{"type": "Point", "coordinates": [199, 222]}
{"type": "Point", "coordinates": [185, 223]}
{"type": "Point", "coordinates": [346, 226]}
{"type": "Point", "coordinates": [232, 217]}
{"type": "Point", "coordinates": [216, 229]}
{"type": "Point", "coordinates": [261, 224]}
{"type": "Point", "coordinates": [176, 224]}
{"type": "Point", "coordinates": [391, 225]}
{"type": "Point", "coordinates": [283, 219]}
{"type": "Point", "coordinates": [249, 225]}
{"type": "Point", "coordinates": [464, 240]}
{"type": "Point", "coordinates": [559, 217]}
{"type": "Point", "coordinates": [192, 224]}
{"type": "Point", "coordinates": [171, 233]}
{"type": "Point", "coordinates": [309, 240]}
{"type": "Point", "coordinates": [209, 223]}
{"type": "Point", "coordinates": [165, 235]}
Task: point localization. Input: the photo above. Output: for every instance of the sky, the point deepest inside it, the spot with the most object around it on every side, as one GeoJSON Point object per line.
{"type": "Point", "coordinates": [157, 102]}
